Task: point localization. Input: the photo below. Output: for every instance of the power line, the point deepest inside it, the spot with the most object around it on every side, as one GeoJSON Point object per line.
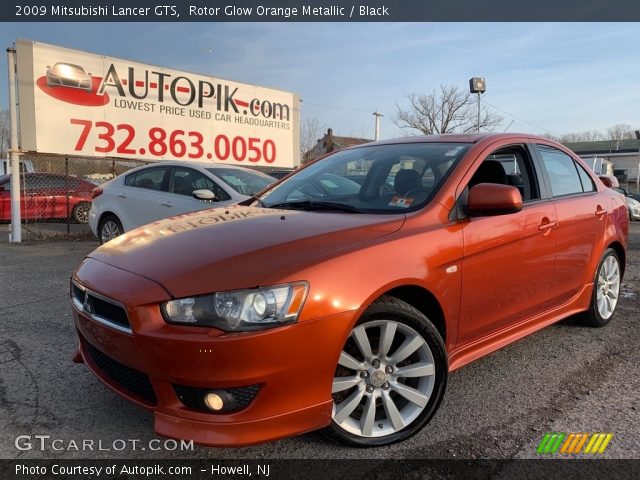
{"type": "Point", "coordinates": [521, 119]}
{"type": "Point", "coordinates": [336, 107]}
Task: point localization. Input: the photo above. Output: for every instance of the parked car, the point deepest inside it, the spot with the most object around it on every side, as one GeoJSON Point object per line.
{"type": "Point", "coordinates": [626, 193]}
{"type": "Point", "coordinates": [162, 190]}
{"type": "Point", "coordinates": [306, 308]}
{"type": "Point", "coordinates": [633, 206]}
{"type": "Point", "coordinates": [46, 196]}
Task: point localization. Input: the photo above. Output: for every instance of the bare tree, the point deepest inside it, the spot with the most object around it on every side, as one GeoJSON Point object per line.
{"type": "Point", "coordinates": [311, 130]}
{"type": "Point", "coordinates": [616, 132]}
{"type": "Point", "coordinates": [620, 131]}
{"type": "Point", "coordinates": [449, 110]}
{"type": "Point", "coordinates": [5, 132]}
{"type": "Point", "coordinates": [586, 136]}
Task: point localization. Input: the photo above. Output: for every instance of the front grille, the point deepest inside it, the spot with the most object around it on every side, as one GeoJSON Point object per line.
{"type": "Point", "coordinates": [109, 311]}
{"type": "Point", "coordinates": [68, 82]}
{"type": "Point", "coordinates": [131, 380]}
{"type": "Point", "coordinates": [101, 309]}
{"type": "Point", "coordinates": [193, 397]}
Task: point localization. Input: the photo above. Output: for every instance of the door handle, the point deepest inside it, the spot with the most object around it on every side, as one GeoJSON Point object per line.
{"type": "Point", "coordinates": [600, 211]}
{"type": "Point", "coordinates": [547, 226]}
{"type": "Point", "coordinates": [122, 195]}
{"type": "Point", "coordinates": [166, 204]}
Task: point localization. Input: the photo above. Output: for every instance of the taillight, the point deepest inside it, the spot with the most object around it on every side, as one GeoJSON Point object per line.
{"type": "Point", "coordinates": [96, 192]}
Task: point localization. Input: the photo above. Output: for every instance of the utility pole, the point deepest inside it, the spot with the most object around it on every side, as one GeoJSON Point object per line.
{"type": "Point", "coordinates": [15, 234]}
{"type": "Point", "coordinates": [478, 124]}
{"type": "Point", "coordinates": [479, 86]}
{"type": "Point", "coordinates": [377, 131]}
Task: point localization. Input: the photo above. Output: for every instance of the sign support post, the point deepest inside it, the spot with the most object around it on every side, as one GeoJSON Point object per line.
{"type": "Point", "coordinates": [16, 227]}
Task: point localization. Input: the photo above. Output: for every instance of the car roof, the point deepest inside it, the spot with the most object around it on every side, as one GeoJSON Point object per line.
{"type": "Point", "coordinates": [182, 163]}
{"type": "Point", "coordinates": [452, 138]}
{"type": "Point", "coordinates": [203, 165]}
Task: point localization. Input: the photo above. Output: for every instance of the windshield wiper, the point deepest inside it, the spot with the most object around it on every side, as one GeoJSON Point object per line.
{"type": "Point", "coordinates": [253, 198]}
{"type": "Point", "coordinates": [315, 205]}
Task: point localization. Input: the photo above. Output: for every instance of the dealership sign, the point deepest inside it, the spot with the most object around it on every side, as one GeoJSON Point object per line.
{"type": "Point", "coordinates": [77, 103]}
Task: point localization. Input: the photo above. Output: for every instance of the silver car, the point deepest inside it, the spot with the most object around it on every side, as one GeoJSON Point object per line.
{"type": "Point", "coordinates": [146, 194]}
{"type": "Point", "coordinates": [634, 208]}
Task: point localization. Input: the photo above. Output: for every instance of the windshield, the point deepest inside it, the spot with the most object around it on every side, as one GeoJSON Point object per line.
{"type": "Point", "coordinates": [244, 182]}
{"type": "Point", "coordinates": [373, 179]}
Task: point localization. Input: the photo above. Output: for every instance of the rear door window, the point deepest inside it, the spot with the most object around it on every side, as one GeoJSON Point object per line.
{"type": "Point", "coordinates": [562, 171]}
{"type": "Point", "coordinates": [150, 178]}
{"type": "Point", "coordinates": [587, 182]}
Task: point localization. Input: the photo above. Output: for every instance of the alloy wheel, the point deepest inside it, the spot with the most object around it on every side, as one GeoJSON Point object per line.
{"type": "Point", "coordinates": [81, 212]}
{"type": "Point", "coordinates": [384, 379]}
{"type": "Point", "coordinates": [109, 231]}
{"type": "Point", "coordinates": [608, 287]}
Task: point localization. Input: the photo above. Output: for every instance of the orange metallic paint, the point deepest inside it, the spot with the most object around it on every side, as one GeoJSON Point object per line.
{"type": "Point", "coordinates": [495, 278]}
{"type": "Point", "coordinates": [492, 198]}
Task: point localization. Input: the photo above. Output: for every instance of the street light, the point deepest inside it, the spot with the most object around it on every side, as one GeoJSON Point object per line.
{"type": "Point", "coordinates": [479, 86]}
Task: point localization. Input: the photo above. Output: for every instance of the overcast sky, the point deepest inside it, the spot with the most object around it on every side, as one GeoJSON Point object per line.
{"type": "Point", "coordinates": [554, 77]}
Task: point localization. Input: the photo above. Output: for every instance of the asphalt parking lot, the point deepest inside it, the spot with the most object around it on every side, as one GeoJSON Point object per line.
{"type": "Point", "coordinates": [565, 378]}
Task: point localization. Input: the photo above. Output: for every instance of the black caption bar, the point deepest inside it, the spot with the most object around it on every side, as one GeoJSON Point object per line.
{"type": "Point", "coordinates": [565, 469]}
{"type": "Point", "coordinates": [319, 11]}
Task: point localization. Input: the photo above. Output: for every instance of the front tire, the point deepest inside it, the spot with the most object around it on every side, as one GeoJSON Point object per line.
{"type": "Point", "coordinates": [390, 378]}
{"type": "Point", "coordinates": [606, 290]}
{"type": "Point", "coordinates": [110, 227]}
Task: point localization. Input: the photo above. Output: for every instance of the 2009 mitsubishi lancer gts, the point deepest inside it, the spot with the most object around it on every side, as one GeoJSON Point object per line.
{"type": "Point", "coordinates": [343, 296]}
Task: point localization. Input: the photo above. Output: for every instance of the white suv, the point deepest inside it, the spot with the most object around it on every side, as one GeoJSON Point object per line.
{"type": "Point", "coordinates": [165, 189]}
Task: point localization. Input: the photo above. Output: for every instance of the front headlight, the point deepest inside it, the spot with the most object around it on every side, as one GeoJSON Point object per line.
{"type": "Point", "coordinates": [239, 310]}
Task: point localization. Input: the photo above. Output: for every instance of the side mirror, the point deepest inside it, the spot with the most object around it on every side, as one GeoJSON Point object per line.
{"type": "Point", "coordinates": [487, 199]}
{"type": "Point", "coordinates": [609, 181]}
{"type": "Point", "coordinates": [204, 194]}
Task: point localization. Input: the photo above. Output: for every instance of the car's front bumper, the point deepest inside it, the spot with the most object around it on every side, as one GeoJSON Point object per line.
{"type": "Point", "coordinates": [293, 365]}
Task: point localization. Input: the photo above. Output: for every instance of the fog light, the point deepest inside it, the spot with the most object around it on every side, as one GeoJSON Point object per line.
{"type": "Point", "coordinates": [213, 401]}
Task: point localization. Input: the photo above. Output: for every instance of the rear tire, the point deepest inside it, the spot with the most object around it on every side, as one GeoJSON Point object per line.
{"type": "Point", "coordinates": [110, 227]}
{"type": "Point", "coordinates": [606, 290]}
{"type": "Point", "coordinates": [390, 378]}
{"type": "Point", "coordinates": [80, 213]}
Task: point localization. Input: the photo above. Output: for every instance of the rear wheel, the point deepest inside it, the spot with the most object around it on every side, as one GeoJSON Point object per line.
{"type": "Point", "coordinates": [606, 290]}
{"type": "Point", "coordinates": [390, 378]}
{"type": "Point", "coordinates": [109, 228]}
{"type": "Point", "coordinates": [80, 213]}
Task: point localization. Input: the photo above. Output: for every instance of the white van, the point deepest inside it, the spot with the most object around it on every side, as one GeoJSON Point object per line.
{"type": "Point", "coordinates": [25, 166]}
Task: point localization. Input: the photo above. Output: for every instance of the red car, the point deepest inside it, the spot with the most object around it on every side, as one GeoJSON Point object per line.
{"type": "Point", "coordinates": [44, 197]}
{"type": "Point", "coordinates": [343, 296]}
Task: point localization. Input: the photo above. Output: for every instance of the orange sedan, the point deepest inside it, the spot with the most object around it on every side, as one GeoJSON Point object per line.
{"type": "Point", "coordinates": [343, 296]}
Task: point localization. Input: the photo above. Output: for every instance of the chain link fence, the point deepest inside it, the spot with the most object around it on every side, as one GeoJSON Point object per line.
{"type": "Point", "coordinates": [55, 195]}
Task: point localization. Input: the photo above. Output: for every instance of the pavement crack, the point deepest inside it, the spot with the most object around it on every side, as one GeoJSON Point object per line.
{"type": "Point", "coordinates": [31, 302]}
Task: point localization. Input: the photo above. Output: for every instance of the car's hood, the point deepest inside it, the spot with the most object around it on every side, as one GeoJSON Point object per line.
{"type": "Point", "coordinates": [236, 247]}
